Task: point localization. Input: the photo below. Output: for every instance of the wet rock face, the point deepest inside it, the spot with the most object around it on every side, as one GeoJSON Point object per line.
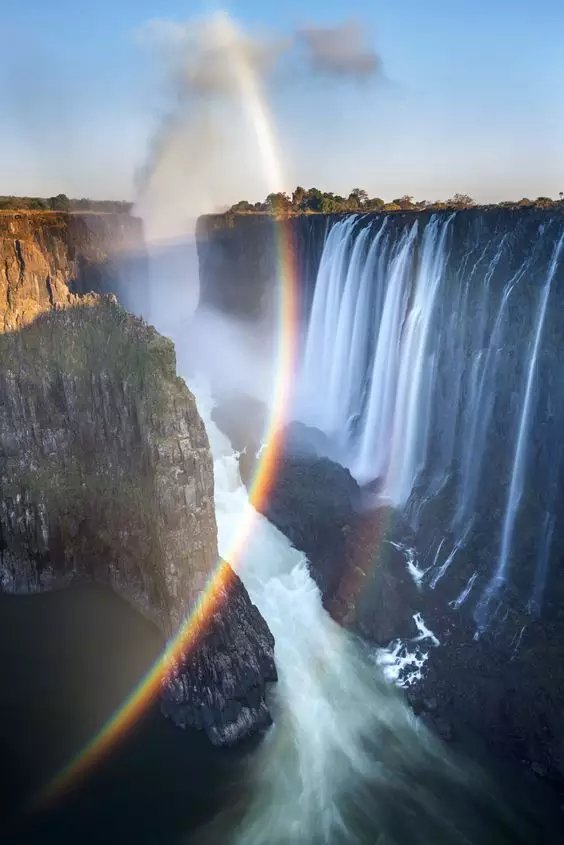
{"type": "Point", "coordinates": [106, 475]}
{"type": "Point", "coordinates": [364, 581]}
{"type": "Point", "coordinates": [505, 688]}
{"type": "Point", "coordinates": [237, 260]}
{"type": "Point", "coordinates": [48, 258]}
{"type": "Point", "coordinates": [363, 578]}
{"type": "Point", "coordinates": [312, 503]}
{"type": "Point", "coordinates": [229, 702]}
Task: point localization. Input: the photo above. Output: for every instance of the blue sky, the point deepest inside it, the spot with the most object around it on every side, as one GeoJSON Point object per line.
{"type": "Point", "coordinates": [472, 99]}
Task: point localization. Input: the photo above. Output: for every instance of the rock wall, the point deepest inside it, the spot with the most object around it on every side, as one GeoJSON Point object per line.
{"type": "Point", "coordinates": [105, 467]}
{"type": "Point", "coordinates": [237, 263]}
{"type": "Point", "coordinates": [47, 258]}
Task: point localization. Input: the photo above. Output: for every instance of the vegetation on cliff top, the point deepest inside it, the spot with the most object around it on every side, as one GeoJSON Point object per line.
{"type": "Point", "coordinates": [99, 337]}
{"type": "Point", "coordinates": [65, 364]}
{"type": "Point", "coordinates": [314, 201]}
{"type": "Point", "coordinates": [62, 203]}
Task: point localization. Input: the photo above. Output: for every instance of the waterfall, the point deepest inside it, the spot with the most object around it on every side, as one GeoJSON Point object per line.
{"type": "Point", "coordinates": [419, 369]}
{"type": "Point", "coordinates": [372, 457]}
{"type": "Point", "coordinates": [517, 484]}
{"type": "Point", "coordinates": [324, 322]}
{"type": "Point", "coordinates": [346, 762]}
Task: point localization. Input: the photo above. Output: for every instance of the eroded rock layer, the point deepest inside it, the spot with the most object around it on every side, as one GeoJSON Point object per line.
{"type": "Point", "coordinates": [47, 258]}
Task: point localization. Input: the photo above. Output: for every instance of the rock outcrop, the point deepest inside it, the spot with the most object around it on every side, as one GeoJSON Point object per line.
{"type": "Point", "coordinates": [106, 475]}
{"type": "Point", "coordinates": [47, 258]}
{"type": "Point", "coordinates": [363, 578]}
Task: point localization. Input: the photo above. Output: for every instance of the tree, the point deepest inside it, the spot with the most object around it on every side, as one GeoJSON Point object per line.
{"type": "Point", "coordinates": [298, 197]}
{"type": "Point", "coordinates": [461, 201]}
{"type": "Point", "coordinates": [374, 204]}
{"type": "Point", "coordinates": [357, 198]}
{"type": "Point", "coordinates": [278, 203]}
{"type": "Point", "coordinates": [330, 203]}
{"type": "Point", "coordinates": [242, 207]}
{"type": "Point", "coordinates": [59, 203]}
{"type": "Point", "coordinates": [313, 200]}
{"type": "Point", "coordinates": [404, 202]}
{"type": "Point", "coordinates": [561, 195]}
{"type": "Point", "coordinates": [37, 204]}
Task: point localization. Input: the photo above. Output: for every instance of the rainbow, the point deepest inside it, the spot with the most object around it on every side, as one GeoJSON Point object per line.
{"type": "Point", "coordinates": [187, 636]}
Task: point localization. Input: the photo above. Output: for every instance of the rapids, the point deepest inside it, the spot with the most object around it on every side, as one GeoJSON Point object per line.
{"type": "Point", "coordinates": [346, 761]}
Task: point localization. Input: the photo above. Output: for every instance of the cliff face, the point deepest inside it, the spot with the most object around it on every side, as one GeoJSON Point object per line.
{"type": "Point", "coordinates": [105, 468]}
{"type": "Point", "coordinates": [237, 261]}
{"type": "Point", "coordinates": [239, 254]}
{"type": "Point", "coordinates": [47, 258]}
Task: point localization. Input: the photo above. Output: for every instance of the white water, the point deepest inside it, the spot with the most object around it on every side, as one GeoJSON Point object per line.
{"type": "Point", "coordinates": [418, 369]}
{"type": "Point", "coordinates": [344, 746]}
{"type": "Point", "coordinates": [392, 441]}
{"type": "Point", "coordinates": [520, 460]}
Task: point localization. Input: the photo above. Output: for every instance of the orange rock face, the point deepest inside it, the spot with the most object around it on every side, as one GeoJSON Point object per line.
{"type": "Point", "coordinates": [46, 258]}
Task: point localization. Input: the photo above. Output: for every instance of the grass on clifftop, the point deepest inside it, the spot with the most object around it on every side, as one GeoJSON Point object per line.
{"type": "Point", "coordinates": [92, 339]}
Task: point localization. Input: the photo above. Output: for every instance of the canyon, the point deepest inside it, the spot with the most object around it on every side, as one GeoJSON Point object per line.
{"type": "Point", "coordinates": [436, 337]}
{"type": "Point", "coordinates": [105, 469]}
{"type": "Point", "coordinates": [107, 477]}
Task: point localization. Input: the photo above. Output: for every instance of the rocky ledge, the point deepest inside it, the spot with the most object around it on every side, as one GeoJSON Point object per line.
{"type": "Point", "coordinates": [106, 475]}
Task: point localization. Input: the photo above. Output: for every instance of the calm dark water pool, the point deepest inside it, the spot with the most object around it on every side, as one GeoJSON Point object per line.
{"type": "Point", "coordinates": [67, 659]}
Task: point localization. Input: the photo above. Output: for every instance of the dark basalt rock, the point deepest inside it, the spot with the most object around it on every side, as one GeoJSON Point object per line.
{"type": "Point", "coordinates": [317, 504]}
{"type": "Point", "coordinates": [218, 687]}
{"type": "Point", "coordinates": [377, 596]}
{"type": "Point", "coordinates": [313, 503]}
{"type": "Point", "coordinates": [506, 688]}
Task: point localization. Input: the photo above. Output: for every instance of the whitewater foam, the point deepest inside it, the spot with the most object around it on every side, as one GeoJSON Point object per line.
{"type": "Point", "coordinates": [346, 761]}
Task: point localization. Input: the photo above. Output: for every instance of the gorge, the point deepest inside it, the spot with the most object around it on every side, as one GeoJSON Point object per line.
{"type": "Point", "coordinates": [420, 474]}
{"type": "Point", "coordinates": [105, 470]}
{"type": "Point", "coordinates": [429, 360]}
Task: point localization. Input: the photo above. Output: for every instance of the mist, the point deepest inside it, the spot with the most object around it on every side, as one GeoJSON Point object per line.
{"type": "Point", "coordinates": [204, 152]}
{"type": "Point", "coordinates": [209, 149]}
{"type": "Point", "coordinates": [217, 143]}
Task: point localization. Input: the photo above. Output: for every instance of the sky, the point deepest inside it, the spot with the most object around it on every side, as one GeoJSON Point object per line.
{"type": "Point", "coordinates": [468, 96]}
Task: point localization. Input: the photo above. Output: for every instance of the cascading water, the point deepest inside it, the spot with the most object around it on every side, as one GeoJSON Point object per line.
{"type": "Point", "coordinates": [517, 484]}
{"type": "Point", "coordinates": [440, 357]}
{"type": "Point", "coordinates": [346, 762]}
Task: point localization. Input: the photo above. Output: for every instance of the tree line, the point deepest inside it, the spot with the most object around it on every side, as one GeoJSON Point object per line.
{"type": "Point", "coordinates": [62, 203]}
{"type": "Point", "coordinates": [313, 201]}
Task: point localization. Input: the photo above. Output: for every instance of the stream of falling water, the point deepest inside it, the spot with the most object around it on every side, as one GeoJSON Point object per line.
{"type": "Point", "coordinates": [345, 761]}
{"type": "Point", "coordinates": [438, 341]}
